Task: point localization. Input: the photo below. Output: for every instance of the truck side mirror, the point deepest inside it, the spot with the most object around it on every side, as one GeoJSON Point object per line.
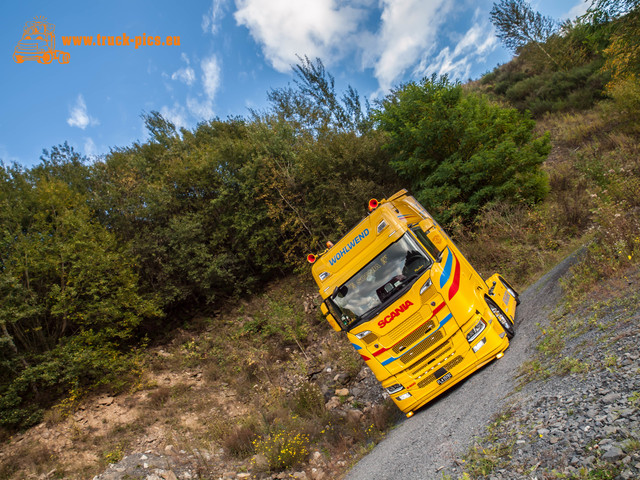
{"type": "Point", "coordinates": [426, 225]}
{"type": "Point", "coordinates": [332, 321]}
{"type": "Point", "coordinates": [432, 239]}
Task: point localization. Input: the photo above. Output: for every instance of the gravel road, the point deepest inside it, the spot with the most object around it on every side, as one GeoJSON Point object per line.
{"type": "Point", "coordinates": [441, 432]}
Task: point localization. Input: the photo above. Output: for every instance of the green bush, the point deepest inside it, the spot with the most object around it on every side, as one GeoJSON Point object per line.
{"type": "Point", "coordinates": [308, 401]}
{"type": "Point", "coordinates": [458, 151]}
{"type": "Point", "coordinates": [578, 89]}
{"type": "Point", "coordinates": [626, 103]}
{"type": "Point", "coordinates": [566, 72]}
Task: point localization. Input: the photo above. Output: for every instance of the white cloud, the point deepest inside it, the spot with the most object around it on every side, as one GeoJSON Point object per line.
{"type": "Point", "coordinates": [199, 108]}
{"type": "Point", "coordinates": [79, 117]}
{"type": "Point", "coordinates": [185, 74]}
{"type": "Point", "coordinates": [211, 19]}
{"type": "Point", "coordinates": [408, 32]}
{"type": "Point", "coordinates": [90, 148]}
{"type": "Point", "coordinates": [476, 43]}
{"type": "Point", "coordinates": [329, 29]}
{"type": "Point", "coordinates": [201, 105]}
{"type": "Point", "coordinates": [577, 10]}
{"type": "Point", "coordinates": [405, 42]}
{"type": "Point", "coordinates": [175, 114]}
{"type": "Point", "coordinates": [210, 75]}
{"type": "Point", "coordinates": [284, 29]}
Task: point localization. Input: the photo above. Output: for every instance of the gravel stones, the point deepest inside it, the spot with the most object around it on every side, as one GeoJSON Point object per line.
{"type": "Point", "coordinates": [580, 422]}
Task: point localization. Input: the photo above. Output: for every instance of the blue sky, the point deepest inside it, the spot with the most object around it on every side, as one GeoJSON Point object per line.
{"type": "Point", "coordinates": [231, 53]}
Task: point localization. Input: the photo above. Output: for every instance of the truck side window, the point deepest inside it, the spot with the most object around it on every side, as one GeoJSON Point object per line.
{"type": "Point", "coordinates": [338, 314]}
{"type": "Point", "coordinates": [428, 244]}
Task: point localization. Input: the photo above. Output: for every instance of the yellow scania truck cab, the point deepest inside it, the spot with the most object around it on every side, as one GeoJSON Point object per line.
{"type": "Point", "coordinates": [411, 304]}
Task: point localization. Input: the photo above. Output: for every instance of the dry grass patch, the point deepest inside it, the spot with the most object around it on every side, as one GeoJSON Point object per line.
{"type": "Point", "coordinates": [31, 459]}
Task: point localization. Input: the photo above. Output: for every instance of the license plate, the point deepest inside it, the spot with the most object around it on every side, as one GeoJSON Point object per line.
{"type": "Point", "coordinates": [444, 378]}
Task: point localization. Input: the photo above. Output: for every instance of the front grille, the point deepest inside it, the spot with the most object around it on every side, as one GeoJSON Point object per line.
{"type": "Point", "coordinates": [416, 367]}
{"type": "Point", "coordinates": [369, 338]}
{"type": "Point", "coordinates": [418, 349]}
{"type": "Point", "coordinates": [401, 330]}
{"type": "Point", "coordinates": [431, 378]}
{"type": "Point", "coordinates": [413, 337]}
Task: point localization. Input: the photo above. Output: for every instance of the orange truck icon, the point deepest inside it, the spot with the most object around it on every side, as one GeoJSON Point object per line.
{"type": "Point", "coordinates": [39, 43]}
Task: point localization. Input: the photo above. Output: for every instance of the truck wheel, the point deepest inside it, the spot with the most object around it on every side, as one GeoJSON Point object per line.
{"type": "Point", "coordinates": [46, 58]}
{"type": "Point", "coordinates": [63, 57]}
{"type": "Point", "coordinates": [18, 58]}
{"type": "Point", "coordinates": [505, 323]}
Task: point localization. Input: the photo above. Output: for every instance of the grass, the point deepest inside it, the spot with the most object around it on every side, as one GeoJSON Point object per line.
{"type": "Point", "coordinates": [490, 452]}
{"type": "Point", "coordinates": [523, 241]}
{"type": "Point", "coordinates": [32, 458]}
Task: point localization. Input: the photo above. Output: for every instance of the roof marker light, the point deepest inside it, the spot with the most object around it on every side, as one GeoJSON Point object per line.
{"type": "Point", "coordinates": [373, 204]}
{"type": "Point", "coordinates": [311, 258]}
{"type": "Point", "coordinates": [329, 244]}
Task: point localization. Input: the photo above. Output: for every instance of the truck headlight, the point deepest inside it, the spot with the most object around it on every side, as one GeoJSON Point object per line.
{"type": "Point", "coordinates": [476, 330]}
{"type": "Point", "coordinates": [394, 389]}
{"type": "Point", "coordinates": [404, 396]}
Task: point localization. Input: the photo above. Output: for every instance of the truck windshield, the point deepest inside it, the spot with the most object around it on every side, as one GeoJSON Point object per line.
{"type": "Point", "coordinates": [380, 282]}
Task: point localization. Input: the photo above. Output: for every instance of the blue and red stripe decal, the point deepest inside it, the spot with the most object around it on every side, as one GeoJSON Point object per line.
{"type": "Point", "coordinates": [358, 347]}
{"type": "Point", "coordinates": [446, 274]}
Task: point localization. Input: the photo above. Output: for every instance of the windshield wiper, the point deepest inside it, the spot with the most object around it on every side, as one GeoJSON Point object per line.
{"type": "Point", "coordinates": [369, 314]}
{"type": "Point", "coordinates": [410, 278]}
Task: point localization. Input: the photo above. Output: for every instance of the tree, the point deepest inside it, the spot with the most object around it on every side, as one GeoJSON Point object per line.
{"type": "Point", "coordinates": [71, 303]}
{"type": "Point", "coordinates": [315, 105]}
{"type": "Point", "coordinates": [458, 151]}
{"type": "Point", "coordinates": [518, 25]}
{"type": "Point", "coordinates": [623, 54]}
{"type": "Point", "coordinates": [606, 10]}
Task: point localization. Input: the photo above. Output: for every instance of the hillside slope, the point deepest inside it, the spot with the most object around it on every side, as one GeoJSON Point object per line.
{"type": "Point", "coordinates": [439, 435]}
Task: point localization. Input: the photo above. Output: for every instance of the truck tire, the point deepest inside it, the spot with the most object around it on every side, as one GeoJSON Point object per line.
{"type": "Point", "coordinates": [46, 58]}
